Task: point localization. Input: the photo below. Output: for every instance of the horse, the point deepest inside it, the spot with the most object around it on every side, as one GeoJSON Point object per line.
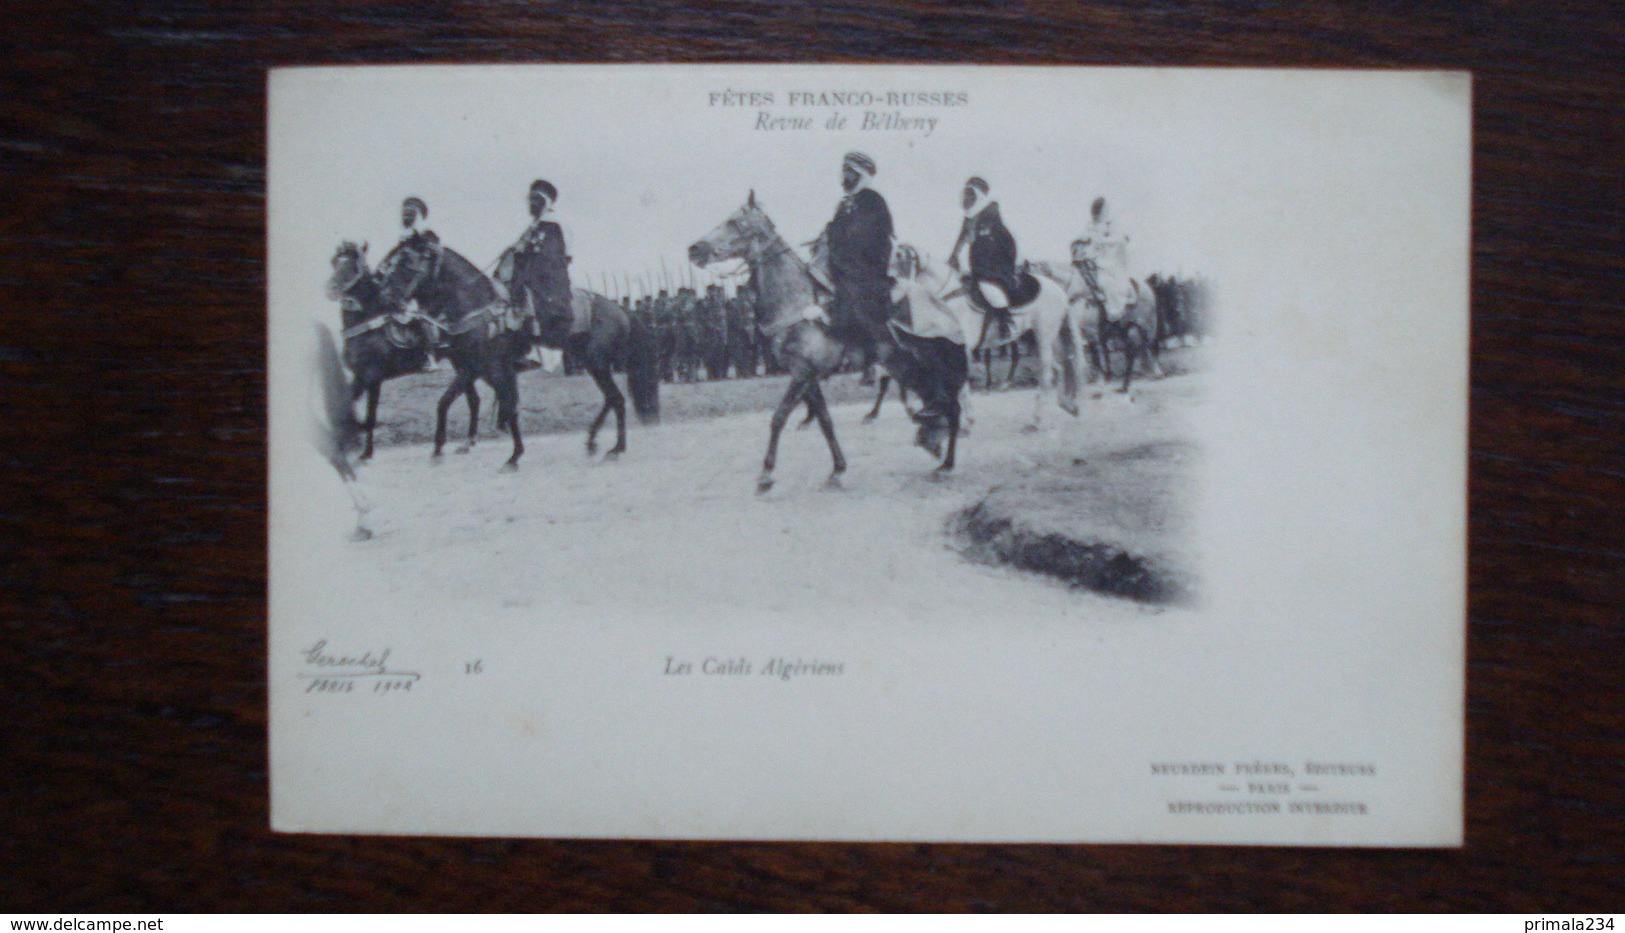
{"type": "Point", "coordinates": [1131, 318]}
{"type": "Point", "coordinates": [377, 347]}
{"type": "Point", "coordinates": [334, 429]}
{"type": "Point", "coordinates": [1048, 317]}
{"type": "Point", "coordinates": [480, 338]}
{"type": "Point", "coordinates": [789, 314]}
{"type": "Point", "coordinates": [486, 337]}
{"type": "Point", "coordinates": [612, 336]}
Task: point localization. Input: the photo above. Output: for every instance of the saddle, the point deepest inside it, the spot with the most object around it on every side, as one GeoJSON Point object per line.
{"type": "Point", "coordinates": [405, 333]}
{"type": "Point", "coordinates": [1025, 291]}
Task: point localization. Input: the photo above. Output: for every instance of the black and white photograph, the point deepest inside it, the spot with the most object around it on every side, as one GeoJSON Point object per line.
{"type": "Point", "coordinates": [868, 452]}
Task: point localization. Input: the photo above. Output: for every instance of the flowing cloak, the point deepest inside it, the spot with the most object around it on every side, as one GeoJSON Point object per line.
{"type": "Point", "coordinates": [539, 264]}
{"type": "Point", "coordinates": [859, 243]}
{"type": "Point", "coordinates": [927, 315]}
{"type": "Point", "coordinates": [1108, 253]}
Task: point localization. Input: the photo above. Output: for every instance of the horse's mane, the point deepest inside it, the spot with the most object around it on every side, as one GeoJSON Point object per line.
{"type": "Point", "coordinates": [457, 279]}
{"type": "Point", "coordinates": [455, 264]}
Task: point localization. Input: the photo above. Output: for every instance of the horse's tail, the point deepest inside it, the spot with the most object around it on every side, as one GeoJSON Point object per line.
{"type": "Point", "coordinates": [341, 431]}
{"type": "Point", "coordinates": [643, 370]}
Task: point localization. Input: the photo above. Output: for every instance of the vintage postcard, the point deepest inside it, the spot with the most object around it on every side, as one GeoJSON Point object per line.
{"type": "Point", "coordinates": [869, 453]}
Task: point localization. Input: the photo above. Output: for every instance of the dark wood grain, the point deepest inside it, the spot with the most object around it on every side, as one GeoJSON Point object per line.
{"type": "Point", "coordinates": [132, 513]}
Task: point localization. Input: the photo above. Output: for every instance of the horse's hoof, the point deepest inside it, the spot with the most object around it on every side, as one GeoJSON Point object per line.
{"type": "Point", "coordinates": [944, 471]}
{"type": "Point", "coordinates": [964, 433]}
{"type": "Point", "coordinates": [834, 482]}
{"type": "Point", "coordinates": [360, 534]}
{"type": "Point", "coordinates": [1070, 408]}
{"type": "Point", "coordinates": [764, 484]}
{"type": "Point", "coordinates": [463, 449]}
{"type": "Point", "coordinates": [592, 449]}
{"type": "Point", "coordinates": [364, 458]}
{"type": "Point", "coordinates": [614, 455]}
{"type": "Point", "coordinates": [870, 419]}
{"type": "Point", "coordinates": [436, 457]}
{"type": "Point", "coordinates": [803, 425]}
{"type": "Point", "coordinates": [512, 466]}
{"type": "Point", "coordinates": [1031, 428]}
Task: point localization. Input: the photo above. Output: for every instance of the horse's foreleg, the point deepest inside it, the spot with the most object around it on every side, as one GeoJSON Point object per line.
{"type": "Point", "coordinates": [781, 415]}
{"type": "Point", "coordinates": [1046, 375]}
{"type": "Point", "coordinates": [507, 388]}
{"type": "Point", "coordinates": [372, 416]}
{"type": "Point", "coordinates": [473, 420]}
{"type": "Point", "coordinates": [459, 385]}
{"type": "Point", "coordinates": [1071, 364]}
{"type": "Point", "coordinates": [947, 464]}
{"type": "Point", "coordinates": [1133, 347]}
{"type": "Point", "coordinates": [885, 386]}
{"type": "Point", "coordinates": [815, 398]}
{"type": "Point", "coordinates": [1153, 358]}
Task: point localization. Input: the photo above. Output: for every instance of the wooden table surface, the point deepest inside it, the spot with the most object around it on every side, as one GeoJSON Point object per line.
{"type": "Point", "coordinates": [132, 512]}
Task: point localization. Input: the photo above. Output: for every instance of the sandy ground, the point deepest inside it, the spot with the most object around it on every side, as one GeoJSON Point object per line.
{"type": "Point", "coordinates": [676, 523]}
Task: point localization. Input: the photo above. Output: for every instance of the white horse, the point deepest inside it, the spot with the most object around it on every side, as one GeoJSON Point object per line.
{"type": "Point", "coordinates": [1111, 309]}
{"type": "Point", "coordinates": [939, 306]}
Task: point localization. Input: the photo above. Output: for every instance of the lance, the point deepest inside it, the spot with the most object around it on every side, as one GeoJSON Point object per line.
{"type": "Point", "coordinates": [665, 274]}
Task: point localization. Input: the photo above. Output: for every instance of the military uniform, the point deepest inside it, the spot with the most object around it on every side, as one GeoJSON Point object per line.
{"type": "Point", "coordinates": [742, 334]}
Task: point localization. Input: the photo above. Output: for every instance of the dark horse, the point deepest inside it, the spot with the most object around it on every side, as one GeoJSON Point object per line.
{"type": "Point", "coordinates": [377, 347]}
{"type": "Point", "coordinates": [470, 317]}
{"type": "Point", "coordinates": [485, 340]}
{"type": "Point", "coordinates": [786, 304]}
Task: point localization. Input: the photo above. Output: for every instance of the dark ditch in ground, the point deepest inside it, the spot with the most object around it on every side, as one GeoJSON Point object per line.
{"type": "Point", "coordinates": [1113, 525]}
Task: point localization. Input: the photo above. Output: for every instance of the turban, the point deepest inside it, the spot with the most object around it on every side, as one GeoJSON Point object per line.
{"type": "Point", "coordinates": [977, 183]}
{"type": "Point", "coordinates": [422, 209]}
{"type": "Point", "coordinates": [547, 190]}
{"type": "Point", "coordinates": [860, 162]}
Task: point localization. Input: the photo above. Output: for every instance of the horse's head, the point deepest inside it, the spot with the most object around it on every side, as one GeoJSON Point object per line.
{"type": "Point", "coordinates": [741, 236]}
{"type": "Point", "coordinates": [349, 268]}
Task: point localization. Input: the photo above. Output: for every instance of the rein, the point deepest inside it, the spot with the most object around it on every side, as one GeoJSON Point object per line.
{"type": "Point", "coordinates": [470, 320]}
{"type": "Point", "coordinates": [374, 323]}
{"type": "Point", "coordinates": [753, 261]}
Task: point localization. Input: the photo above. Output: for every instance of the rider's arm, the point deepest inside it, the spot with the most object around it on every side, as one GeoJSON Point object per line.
{"type": "Point", "coordinates": [964, 237]}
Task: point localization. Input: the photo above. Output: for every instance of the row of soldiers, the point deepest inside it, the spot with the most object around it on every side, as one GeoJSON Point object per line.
{"type": "Point", "coordinates": [705, 336]}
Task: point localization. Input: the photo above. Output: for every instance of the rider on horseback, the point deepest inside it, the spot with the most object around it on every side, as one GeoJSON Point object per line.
{"type": "Point", "coordinates": [859, 239]}
{"type": "Point", "coordinates": [536, 268]}
{"type": "Point", "coordinates": [419, 250]}
{"type": "Point", "coordinates": [992, 281]}
{"type": "Point", "coordinates": [1105, 257]}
